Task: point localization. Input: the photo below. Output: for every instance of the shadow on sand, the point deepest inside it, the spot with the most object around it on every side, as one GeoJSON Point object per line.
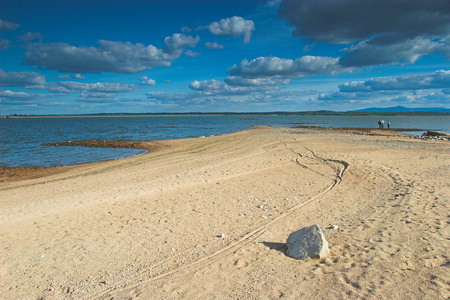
{"type": "Point", "coordinates": [282, 247]}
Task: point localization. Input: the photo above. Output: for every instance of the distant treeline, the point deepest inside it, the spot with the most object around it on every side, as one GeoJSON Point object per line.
{"type": "Point", "coordinates": [304, 113]}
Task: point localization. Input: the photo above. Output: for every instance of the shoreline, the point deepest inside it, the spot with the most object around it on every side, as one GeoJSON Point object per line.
{"type": "Point", "coordinates": [31, 172]}
{"type": "Point", "coordinates": [209, 217]}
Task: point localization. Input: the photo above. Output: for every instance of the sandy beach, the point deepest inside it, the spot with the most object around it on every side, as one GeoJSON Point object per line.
{"type": "Point", "coordinates": [209, 218]}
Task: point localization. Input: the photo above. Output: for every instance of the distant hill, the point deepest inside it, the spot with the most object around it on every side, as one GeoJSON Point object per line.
{"type": "Point", "coordinates": [404, 109]}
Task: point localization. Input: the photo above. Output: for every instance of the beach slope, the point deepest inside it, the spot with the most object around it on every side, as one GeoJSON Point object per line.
{"type": "Point", "coordinates": [209, 218]}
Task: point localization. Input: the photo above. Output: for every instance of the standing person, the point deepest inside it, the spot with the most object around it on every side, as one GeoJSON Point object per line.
{"type": "Point", "coordinates": [379, 124]}
{"type": "Point", "coordinates": [382, 124]}
{"type": "Point", "coordinates": [389, 124]}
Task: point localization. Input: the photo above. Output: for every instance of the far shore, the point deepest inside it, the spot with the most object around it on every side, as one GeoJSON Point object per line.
{"type": "Point", "coordinates": [302, 113]}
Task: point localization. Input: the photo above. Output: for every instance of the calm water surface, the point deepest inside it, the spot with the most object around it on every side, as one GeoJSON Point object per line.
{"type": "Point", "coordinates": [21, 139]}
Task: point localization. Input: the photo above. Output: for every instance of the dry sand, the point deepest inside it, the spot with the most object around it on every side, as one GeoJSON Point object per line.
{"type": "Point", "coordinates": [209, 217]}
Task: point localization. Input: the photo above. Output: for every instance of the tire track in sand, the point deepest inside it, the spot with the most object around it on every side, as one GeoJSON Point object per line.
{"type": "Point", "coordinates": [340, 168]}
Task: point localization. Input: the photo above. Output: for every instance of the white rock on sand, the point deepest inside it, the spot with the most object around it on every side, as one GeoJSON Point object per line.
{"type": "Point", "coordinates": [308, 242]}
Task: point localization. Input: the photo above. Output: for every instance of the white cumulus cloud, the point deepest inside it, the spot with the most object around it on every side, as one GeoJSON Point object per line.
{"type": "Point", "coordinates": [274, 66]}
{"type": "Point", "coordinates": [234, 26]}
{"type": "Point", "coordinates": [147, 81]}
{"type": "Point", "coordinates": [221, 88]}
{"type": "Point", "coordinates": [109, 56]}
{"type": "Point", "coordinates": [371, 52]}
{"type": "Point", "coordinates": [207, 85]}
{"type": "Point", "coordinates": [22, 79]}
{"type": "Point", "coordinates": [99, 87]}
{"type": "Point", "coordinates": [19, 98]}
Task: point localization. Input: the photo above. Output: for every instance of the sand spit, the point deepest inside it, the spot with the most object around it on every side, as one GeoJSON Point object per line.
{"type": "Point", "coordinates": [209, 217]}
{"type": "Point", "coordinates": [21, 173]}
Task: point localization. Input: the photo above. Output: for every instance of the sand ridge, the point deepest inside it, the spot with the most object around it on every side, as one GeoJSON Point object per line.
{"type": "Point", "coordinates": [208, 218]}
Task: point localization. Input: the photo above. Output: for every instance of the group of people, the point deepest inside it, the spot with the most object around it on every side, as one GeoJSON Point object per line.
{"type": "Point", "coordinates": [381, 124]}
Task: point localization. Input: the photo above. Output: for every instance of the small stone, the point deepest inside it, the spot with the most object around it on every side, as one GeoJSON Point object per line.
{"type": "Point", "coordinates": [308, 242]}
{"type": "Point", "coordinates": [240, 263]}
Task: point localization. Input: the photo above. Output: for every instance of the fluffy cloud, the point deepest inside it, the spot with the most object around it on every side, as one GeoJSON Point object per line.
{"type": "Point", "coordinates": [272, 71]}
{"type": "Point", "coordinates": [212, 90]}
{"type": "Point", "coordinates": [207, 85]}
{"type": "Point", "coordinates": [340, 22]}
{"type": "Point", "coordinates": [176, 43]}
{"type": "Point", "coordinates": [372, 52]}
{"type": "Point", "coordinates": [98, 87]}
{"type": "Point", "coordinates": [234, 26]}
{"type": "Point", "coordinates": [217, 87]}
{"type": "Point", "coordinates": [27, 80]}
{"type": "Point", "coordinates": [214, 45]}
{"type": "Point", "coordinates": [20, 98]}
{"type": "Point", "coordinates": [33, 80]}
{"type": "Point", "coordinates": [89, 92]}
{"type": "Point", "coordinates": [410, 90]}
{"type": "Point", "coordinates": [386, 31]}
{"type": "Point", "coordinates": [5, 25]}
{"type": "Point", "coordinates": [100, 92]}
{"type": "Point", "coordinates": [274, 66]}
{"type": "Point", "coordinates": [436, 80]}
{"type": "Point", "coordinates": [78, 76]}
{"type": "Point", "coordinates": [147, 81]}
{"type": "Point", "coordinates": [110, 56]}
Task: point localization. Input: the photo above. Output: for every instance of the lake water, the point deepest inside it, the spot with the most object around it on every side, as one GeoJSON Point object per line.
{"type": "Point", "coordinates": [21, 139]}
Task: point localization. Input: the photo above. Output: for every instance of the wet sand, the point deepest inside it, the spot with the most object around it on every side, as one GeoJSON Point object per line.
{"type": "Point", "coordinates": [209, 218]}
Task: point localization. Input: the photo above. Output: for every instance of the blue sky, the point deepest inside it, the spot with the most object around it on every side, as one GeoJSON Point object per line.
{"type": "Point", "coordinates": [76, 57]}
